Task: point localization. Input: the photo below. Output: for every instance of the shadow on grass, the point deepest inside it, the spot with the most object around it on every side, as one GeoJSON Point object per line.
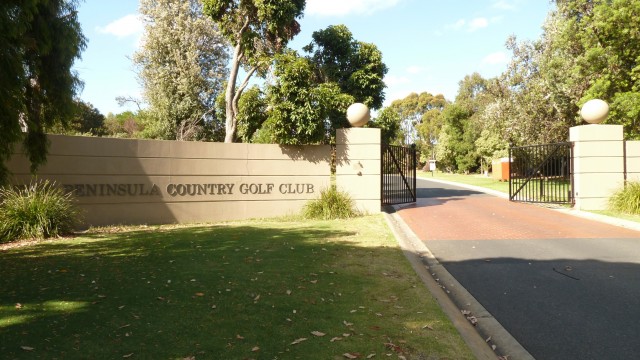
{"type": "Point", "coordinates": [214, 292]}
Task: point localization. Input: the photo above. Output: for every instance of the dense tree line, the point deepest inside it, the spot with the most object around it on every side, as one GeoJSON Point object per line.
{"type": "Point", "coordinates": [198, 56]}
{"type": "Point", "coordinates": [589, 49]}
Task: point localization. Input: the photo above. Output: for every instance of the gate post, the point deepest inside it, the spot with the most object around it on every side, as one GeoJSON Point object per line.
{"type": "Point", "coordinates": [598, 164]}
{"type": "Point", "coordinates": [358, 170]}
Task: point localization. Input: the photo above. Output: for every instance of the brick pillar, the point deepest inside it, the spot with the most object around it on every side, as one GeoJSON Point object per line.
{"type": "Point", "coordinates": [598, 164]}
{"type": "Point", "coordinates": [358, 153]}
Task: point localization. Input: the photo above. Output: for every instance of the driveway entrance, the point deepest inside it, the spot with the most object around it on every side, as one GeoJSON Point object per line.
{"type": "Point", "coordinates": [563, 286]}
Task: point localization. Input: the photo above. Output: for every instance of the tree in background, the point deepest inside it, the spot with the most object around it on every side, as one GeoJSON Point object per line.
{"type": "Point", "coordinates": [39, 41]}
{"type": "Point", "coordinates": [181, 65]}
{"type": "Point", "coordinates": [252, 113]}
{"type": "Point", "coordinates": [300, 104]}
{"type": "Point", "coordinates": [419, 117]}
{"type": "Point", "coordinates": [127, 124]}
{"type": "Point", "coordinates": [87, 120]}
{"type": "Point", "coordinates": [309, 96]}
{"type": "Point", "coordinates": [388, 121]}
{"type": "Point", "coordinates": [589, 49]}
{"type": "Point", "coordinates": [608, 34]}
{"type": "Point", "coordinates": [257, 30]}
{"type": "Point", "coordinates": [355, 66]}
{"type": "Point", "coordinates": [463, 125]}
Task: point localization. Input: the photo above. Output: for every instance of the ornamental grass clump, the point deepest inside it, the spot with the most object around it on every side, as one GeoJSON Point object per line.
{"type": "Point", "coordinates": [39, 210]}
{"type": "Point", "coordinates": [627, 199]}
{"type": "Point", "coordinates": [332, 204]}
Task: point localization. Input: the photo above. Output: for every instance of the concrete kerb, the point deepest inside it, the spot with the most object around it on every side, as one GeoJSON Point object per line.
{"type": "Point", "coordinates": [487, 339]}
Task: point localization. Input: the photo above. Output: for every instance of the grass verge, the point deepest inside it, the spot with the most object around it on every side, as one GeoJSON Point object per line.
{"type": "Point", "coordinates": [474, 179]}
{"type": "Point", "coordinates": [616, 214]}
{"type": "Point", "coordinates": [245, 290]}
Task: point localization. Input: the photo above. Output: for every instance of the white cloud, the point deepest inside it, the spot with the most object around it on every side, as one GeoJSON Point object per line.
{"type": "Point", "coordinates": [346, 7]}
{"type": "Point", "coordinates": [505, 4]}
{"type": "Point", "coordinates": [474, 24]}
{"type": "Point", "coordinates": [458, 24]}
{"type": "Point", "coordinates": [125, 26]}
{"type": "Point", "coordinates": [478, 23]}
{"type": "Point", "coordinates": [392, 80]}
{"type": "Point", "coordinates": [414, 70]}
{"type": "Point", "coordinates": [496, 58]}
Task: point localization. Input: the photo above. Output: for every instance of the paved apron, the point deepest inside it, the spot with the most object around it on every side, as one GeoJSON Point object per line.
{"type": "Point", "coordinates": [563, 286]}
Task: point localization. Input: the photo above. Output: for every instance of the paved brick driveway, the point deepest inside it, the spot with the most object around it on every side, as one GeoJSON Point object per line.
{"type": "Point", "coordinates": [565, 287]}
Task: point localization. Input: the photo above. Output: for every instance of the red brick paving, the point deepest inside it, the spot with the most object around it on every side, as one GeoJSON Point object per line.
{"type": "Point", "coordinates": [492, 218]}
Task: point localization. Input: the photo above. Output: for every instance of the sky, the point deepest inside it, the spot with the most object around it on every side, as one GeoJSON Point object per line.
{"type": "Point", "coordinates": [427, 45]}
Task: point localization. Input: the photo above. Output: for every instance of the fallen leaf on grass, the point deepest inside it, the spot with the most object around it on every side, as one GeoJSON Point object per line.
{"type": "Point", "coordinates": [335, 339]}
{"type": "Point", "coordinates": [371, 356]}
{"type": "Point", "coordinates": [347, 323]}
{"type": "Point", "coordinates": [199, 294]}
{"type": "Point", "coordinates": [255, 348]}
{"type": "Point", "coordinates": [127, 356]}
{"type": "Point", "coordinates": [18, 306]}
{"type": "Point", "coordinates": [27, 348]}
{"type": "Point", "coordinates": [298, 341]}
{"type": "Point", "coordinates": [318, 333]}
{"type": "Point", "coordinates": [427, 327]}
{"type": "Point", "coordinates": [351, 356]}
{"type": "Point", "coordinates": [239, 337]}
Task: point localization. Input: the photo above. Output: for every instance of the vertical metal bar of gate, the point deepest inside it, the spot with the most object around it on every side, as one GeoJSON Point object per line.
{"type": "Point", "coordinates": [398, 165]}
{"type": "Point", "coordinates": [541, 173]}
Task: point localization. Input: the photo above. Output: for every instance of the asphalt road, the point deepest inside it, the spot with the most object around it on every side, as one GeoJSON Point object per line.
{"type": "Point", "coordinates": [564, 287]}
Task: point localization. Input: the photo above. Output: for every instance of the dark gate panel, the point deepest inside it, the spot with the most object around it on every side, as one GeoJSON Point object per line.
{"type": "Point", "coordinates": [398, 174]}
{"type": "Point", "coordinates": [541, 173]}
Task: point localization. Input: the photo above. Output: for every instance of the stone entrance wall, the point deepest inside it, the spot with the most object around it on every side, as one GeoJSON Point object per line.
{"type": "Point", "coordinates": [125, 181]}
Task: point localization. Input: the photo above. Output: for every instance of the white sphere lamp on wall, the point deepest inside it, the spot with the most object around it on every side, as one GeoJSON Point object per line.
{"type": "Point", "coordinates": [594, 111]}
{"type": "Point", "coordinates": [358, 115]}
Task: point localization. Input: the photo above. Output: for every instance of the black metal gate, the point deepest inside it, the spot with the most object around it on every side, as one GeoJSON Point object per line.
{"type": "Point", "coordinates": [398, 174]}
{"type": "Point", "coordinates": [541, 173]}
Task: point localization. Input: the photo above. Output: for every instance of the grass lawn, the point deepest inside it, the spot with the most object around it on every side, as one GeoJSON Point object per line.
{"type": "Point", "coordinates": [279, 289]}
{"type": "Point", "coordinates": [473, 179]}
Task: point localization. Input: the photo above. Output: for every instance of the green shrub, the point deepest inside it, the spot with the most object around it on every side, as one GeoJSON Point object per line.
{"type": "Point", "coordinates": [38, 210]}
{"type": "Point", "coordinates": [332, 204]}
{"type": "Point", "coordinates": [627, 199]}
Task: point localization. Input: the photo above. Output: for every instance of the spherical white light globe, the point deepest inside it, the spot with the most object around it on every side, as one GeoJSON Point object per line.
{"type": "Point", "coordinates": [358, 115]}
{"type": "Point", "coordinates": [594, 111]}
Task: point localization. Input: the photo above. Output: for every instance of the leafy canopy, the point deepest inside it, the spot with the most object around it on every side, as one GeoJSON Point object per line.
{"type": "Point", "coordinates": [257, 30]}
{"type": "Point", "coordinates": [40, 40]}
{"type": "Point", "coordinates": [182, 66]}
